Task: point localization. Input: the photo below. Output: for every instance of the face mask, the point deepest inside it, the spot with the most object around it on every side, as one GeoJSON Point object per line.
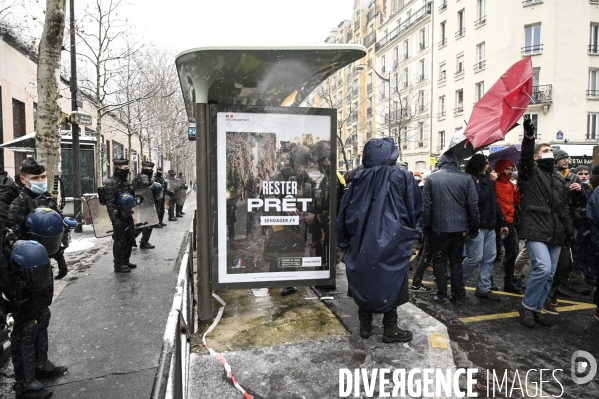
{"type": "Point", "coordinates": [147, 172]}
{"type": "Point", "coordinates": [121, 173]}
{"type": "Point", "coordinates": [159, 174]}
{"type": "Point", "coordinates": [547, 155]}
{"type": "Point", "coordinates": [585, 182]}
{"type": "Point", "coordinates": [38, 188]}
{"type": "Point", "coordinates": [416, 178]}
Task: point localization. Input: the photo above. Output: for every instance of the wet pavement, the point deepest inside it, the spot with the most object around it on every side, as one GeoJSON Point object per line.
{"type": "Point", "coordinates": [106, 327]}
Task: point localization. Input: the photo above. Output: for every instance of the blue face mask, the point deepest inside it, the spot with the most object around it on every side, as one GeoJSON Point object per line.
{"type": "Point", "coordinates": [38, 188]}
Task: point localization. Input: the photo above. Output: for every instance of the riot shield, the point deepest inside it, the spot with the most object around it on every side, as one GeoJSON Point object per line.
{"type": "Point", "coordinates": [174, 184]}
{"type": "Point", "coordinates": [180, 195]}
{"type": "Point", "coordinates": [100, 219]}
{"type": "Point", "coordinates": [144, 213]}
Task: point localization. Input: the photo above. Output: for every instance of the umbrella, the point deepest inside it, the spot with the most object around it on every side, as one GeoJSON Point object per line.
{"type": "Point", "coordinates": [459, 146]}
{"type": "Point", "coordinates": [499, 109]}
{"type": "Point", "coordinates": [512, 153]}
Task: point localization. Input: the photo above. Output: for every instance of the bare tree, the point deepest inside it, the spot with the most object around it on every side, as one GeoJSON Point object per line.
{"type": "Point", "coordinates": [48, 123]}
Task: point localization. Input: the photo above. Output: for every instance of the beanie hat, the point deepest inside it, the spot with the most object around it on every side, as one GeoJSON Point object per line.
{"type": "Point", "coordinates": [502, 164]}
{"type": "Point", "coordinates": [560, 154]}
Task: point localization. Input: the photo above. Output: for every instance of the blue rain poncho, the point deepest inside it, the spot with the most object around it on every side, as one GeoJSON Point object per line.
{"type": "Point", "coordinates": [377, 222]}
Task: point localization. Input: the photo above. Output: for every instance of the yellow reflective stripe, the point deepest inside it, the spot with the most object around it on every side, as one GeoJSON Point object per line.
{"type": "Point", "coordinates": [341, 179]}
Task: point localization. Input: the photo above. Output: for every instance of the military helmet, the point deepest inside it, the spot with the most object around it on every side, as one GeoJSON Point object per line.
{"type": "Point", "coordinates": [157, 186]}
{"type": "Point", "coordinates": [320, 150]}
{"type": "Point", "coordinates": [300, 154]}
{"type": "Point", "coordinates": [126, 200]}
{"type": "Point", "coordinates": [30, 259]}
{"type": "Point", "coordinates": [46, 227]}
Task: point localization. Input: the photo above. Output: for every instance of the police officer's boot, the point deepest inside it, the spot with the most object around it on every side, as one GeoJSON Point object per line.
{"type": "Point", "coordinates": [121, 269]}
{"type": "Point", "coordinates": [62, 269]}
{"type": "Point", "coordinates": [49, 370]}
{"type": "Point", "coordinates": [34, 390]}
{"type": "Point", "coordinates": [146, 245]}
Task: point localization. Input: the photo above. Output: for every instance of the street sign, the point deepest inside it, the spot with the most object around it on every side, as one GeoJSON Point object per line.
{"type": "Point", "coordinates": [191, 133]}
{"type": "Point", "coordinates": [352, 156]}
{"type": "Point", "coordinates": [81, 118]}
{"type": "Point", "coordinates": [496, 148]}
{"type": "Point", "coordinates": [79, 99]}
{"type": "Point", "coordinates": [560, 135]}
{"type": "Point", "coordinates": [134, 157]}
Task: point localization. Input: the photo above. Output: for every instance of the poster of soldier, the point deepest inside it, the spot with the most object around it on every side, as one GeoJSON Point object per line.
{"type": "Point", "coordinates": [273, 174]}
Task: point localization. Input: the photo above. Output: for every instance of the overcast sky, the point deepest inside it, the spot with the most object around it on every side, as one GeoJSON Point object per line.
{"type": "Point", "coordinates": [186, 24]}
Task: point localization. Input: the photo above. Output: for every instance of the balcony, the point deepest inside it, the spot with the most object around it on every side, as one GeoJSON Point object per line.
{"type": "Point", "coordinates": [480, 65]}
{"type": "Point", "coordinates": [541, 95]}
{"type": "Point", "coordinates": [443, 6]}
{"type": "Point", "coordinates": [527, 3]}
{"type": "Point", "coordinates": [480, 22]}
{"type": "Point", "coordinates": [593, 94]}
{"type": "Point", "coordinates": [459, 74]}
{"type": "Point", "coordinates": [369, 40]}
{"type": "Point", "coordinates": [443, 43]}
{"type": "Point", "coordinates": [460, 33]}
{"type": "Point", "coordinates": [594, 48]}
{"type": "Point", "coordinates": [370, 15]}
{"type": "Point", "coordinates": [536, 49]}
{"type": "Point", "coordinates": [412, 20]}
{"type": "Point", "coordinates": [458, 111]}
{"type": "Point", "coordinates": [441, 115]}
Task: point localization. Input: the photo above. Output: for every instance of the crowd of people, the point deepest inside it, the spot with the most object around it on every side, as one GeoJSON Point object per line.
{"type": "Point", "coordinates": [471, 219]}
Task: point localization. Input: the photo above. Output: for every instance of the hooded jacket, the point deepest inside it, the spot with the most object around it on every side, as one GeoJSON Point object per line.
{"type": "Point", "coordinates": [450, 198]}
{"type": "Point", "coordinates": [544, 210]}
{"type": "Point", "coordinates": [507, 193]}
{"type": "Point", "coordinates": [377, 223]}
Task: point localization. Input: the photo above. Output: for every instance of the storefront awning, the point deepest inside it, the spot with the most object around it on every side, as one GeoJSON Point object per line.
{"type": "Point", "coordinates": [28, 143]}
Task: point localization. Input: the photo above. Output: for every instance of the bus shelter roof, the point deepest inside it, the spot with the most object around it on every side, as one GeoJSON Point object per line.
{"type": "Point", "coordinates": [270, 76]}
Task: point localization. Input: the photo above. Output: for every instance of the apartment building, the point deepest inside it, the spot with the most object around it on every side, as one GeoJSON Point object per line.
{"type": "Point", "coordinates": [478, 40]}
{"type": "Point", "coordinates": [18, 108]}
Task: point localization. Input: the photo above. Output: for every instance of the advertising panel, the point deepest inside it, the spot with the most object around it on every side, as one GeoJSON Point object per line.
{"type": "Point", "coordinates": [273, 168]}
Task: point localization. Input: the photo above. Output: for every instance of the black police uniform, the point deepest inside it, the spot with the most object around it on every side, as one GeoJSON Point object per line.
{"type": "Point", "coordinates": [9, 190]}
{"type": "Point", "coordinates": [173, 202]}
{"type": "Point", "coordinates": [122, 219]}
{"type": "Point", "coordinates": [30, 310]}
{"type": "Point", "coordinates": [179, 208]}
{"type": "Point", "coordinates": [160, 202]}
{"type": "Point", "coordinates": [143, 180]}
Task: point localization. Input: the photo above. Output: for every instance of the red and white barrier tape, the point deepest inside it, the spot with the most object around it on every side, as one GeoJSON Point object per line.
{"type": "Point", "coordinates": [217, 355]}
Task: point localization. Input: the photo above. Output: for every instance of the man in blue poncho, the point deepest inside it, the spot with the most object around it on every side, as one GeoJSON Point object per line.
{"type": "Point", "coordinates": [377, 224]}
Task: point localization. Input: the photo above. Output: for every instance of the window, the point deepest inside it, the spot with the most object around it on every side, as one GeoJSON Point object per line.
{"type": "Point", "coordinates": [442, 71]}
{"type": "Point", "coordinates": [19, 128]}
{"type": "Point", "coordinates": [442, 33]}
{"type": "Point", "coordinates": [535, 120]}
{"type": "Point", "coordinates": [383, 64]}
{"type": "Point", "coordinates": [420, 134]}
{"type": "Point", "coordinates": [480, 90]}
{"type": "Point", "coordinates": [461, 23]}
{"type": "Point", "coordinates": [593, 90]}
{"type": "Point", "coordinates": [405, 78]}
{"type": "Point", "coordinates": [593, 126]}
{"type": "Point", "coordinates": [421, 68]}
{"type": "Point", "coordinates": [460, 63]}
{"type": "Point", "coordinates": [532, 40]}
{"type": "Point", "coordinates": [421, 100]}
{"type": "Point", "coordinates": [459, 100]}
{"type": "Point", "coordinates": [593, 39]}
{"type": "Point", "coordinates": [481, 13]}
{"type": "Point", "coordinates": [406, 48]}
{"type": "Point", "coordinates": [421, 165]}
{"type": "Point", "coordinates": [441, 140]}
{"type": "Point", "coordinates": [422, 36]}
{"type": "Point", "coordinates": [535, 77]}
{"type": "Point", "coordinates": [480, 55]}
{"type": "Point", "coordinates": [396, 53]}
{"type": "Point", "coordinates": [441, 106]}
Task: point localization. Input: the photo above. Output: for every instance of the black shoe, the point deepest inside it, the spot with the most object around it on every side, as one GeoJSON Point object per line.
{"type": "Point", "coordinates": [158, 226]}
{"type": "Point", "coordinates": [182, 213]}
{"type": "Point", "coordinates": [439, 299]}
{"type": "Point", "coordinates": [172, 219]}
{"type": "Point", "coordinates": [494, 287]}
{"type": "Point", "coordinates": [50, 371]}
{"type": "Point", "coordinates": [330, 287]}
{"type": "Point", "coordinates": [179, 215]}
{"type": "Point", "coordinates": [510, 286]}
{"type": "Point", "coordinates": [365, 330]}
{"type": "Point", "coordinates": [421, 288]}
{"type": "Point", "coordinates": [34, 390]}
{"type": "Point", "coordinates": [134, 245]}
{"type": "Point", "coordinates": [121, 269]}
{"type": "Point", "coordinates": [458, 300]}
{"type": "Point", "coordinates": [162, 224]}
{"type": "Point", "coordinates": [130, 265]}
{"type": "Point", "coordinates": [62, 271]}
{"type": "Point", "coordinates": [396, 334]}
{"type": "Point", "coordinates": [487, 295]}
{"type": "Point", "coordinates": [527, 317]}
{"type": "Point", "coordinates": [540, 320]}
{"type": "Point", "coordinates": [520, 282]}
{"type": "Point", "coordinates": [146, 245]}
{"type": "Point", "coordinates": [288, 291]}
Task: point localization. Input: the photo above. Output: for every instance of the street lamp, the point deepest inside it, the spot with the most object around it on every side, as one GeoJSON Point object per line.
{"type": "Point", "coordinates": [361, 68]}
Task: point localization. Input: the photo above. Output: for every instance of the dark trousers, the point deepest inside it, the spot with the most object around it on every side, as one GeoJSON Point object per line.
{"type": "Point", "coordinates": [512, 249]}
{"type": "Point", "coordinates": [124, 238]}
{"type": "Point", "coordinates": [389, 318]}
{"type": "Point", "coordinates": [160, 209]}
{"type": "Point", "coordinates": [179, 209]}
{"type": "Point", "coordinates": [145, 234]}
{"type": "Point", "coordinates": [171, 208]}
{"type": "Point", "coordinates": [22, 346]}
{"type": "Point", "coordinates": [426, 258]}
{"type": "Point", "coordinates": [448, 247]}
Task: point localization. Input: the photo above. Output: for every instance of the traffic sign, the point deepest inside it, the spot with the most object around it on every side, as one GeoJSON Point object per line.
{"type": "Point", "coordinates": [81, 118]}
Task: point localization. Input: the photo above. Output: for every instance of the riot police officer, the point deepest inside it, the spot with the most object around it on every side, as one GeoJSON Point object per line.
{"type": "Point", "coordinates": [143, 180]}
{"type": "Point", "coordinates": [119, 194]}
{"type": "Point", "coordinates": [180, 203]}
{"type": "Point", "coordinates": [171, 193]}
{"type": "Point", "coordinates": [9, 190]}
{"type": "Point", "coordinates": [159, 199]}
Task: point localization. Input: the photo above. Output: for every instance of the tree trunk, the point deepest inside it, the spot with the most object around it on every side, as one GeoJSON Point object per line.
{"type": "Point", "coordinates": [99, 163]}
{"type": "Point", "coordinates": [48, 76]}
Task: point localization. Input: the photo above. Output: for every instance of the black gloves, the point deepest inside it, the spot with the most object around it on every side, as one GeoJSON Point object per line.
{"type": "Point", "coordinates": [473, 232]}
{"type": "Point", "coordinates": [529, 127]}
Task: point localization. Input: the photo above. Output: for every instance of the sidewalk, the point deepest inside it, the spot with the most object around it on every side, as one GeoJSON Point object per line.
{"type": "Point", "coordinates": [310, 369]}
{"type": "Point", "coordinates": [107, 328]}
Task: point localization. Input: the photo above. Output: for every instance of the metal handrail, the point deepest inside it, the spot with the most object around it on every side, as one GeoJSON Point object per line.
{"type": "Point", "coordinates": [176, 346]}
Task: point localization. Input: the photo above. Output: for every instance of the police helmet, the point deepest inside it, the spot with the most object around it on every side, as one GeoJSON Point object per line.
{"type": "Point", "coordinates": [320, 150]}
{"type": "Point", "coordinates": [300, 154]}
{"type": "Point", "coordinates": [30, 259]}
{"type": "Point", "coordinates": [46, 227]}
{"type": "Point", "coordinates": [70, 223]}
{"type": "Point", "coordinates": [126, 201]}
{"type": "Point", "coordinates": [157, 186]}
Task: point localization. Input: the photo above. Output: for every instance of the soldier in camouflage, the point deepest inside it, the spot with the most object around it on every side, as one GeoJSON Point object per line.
{"type": "Point", "coordinates": [122, 219]}
{"type": "Point", "coordinates": [143, 180]}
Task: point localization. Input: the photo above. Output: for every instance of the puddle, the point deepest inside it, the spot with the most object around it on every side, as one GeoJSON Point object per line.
{"type": "Point", "coordinates": [262, 317]}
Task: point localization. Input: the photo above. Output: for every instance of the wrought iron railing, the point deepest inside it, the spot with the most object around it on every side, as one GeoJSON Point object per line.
{"type": "Point", "coordinates": [411, 21]}
{"type": "Point", "coordinates": [480, 65]}
{"type": "Point", "coordinates": [443, 43]}
{"type": "Point", "coordinates": [594, 48]}
{"type": "Point", "coordinates": [458, 111]}
{"type": "Point", "coordinates": [443, 6]}
{"type": "Point", "coordinates": [532, 50]}
{"type": "Point", "coordinates": [541, 94]}
{"type": "Point", "coordinates": [593, 93]}
{"type": "Point", "coordinates": [460, 33]}
{"type": "Point", "coordinates": [480, 22]}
